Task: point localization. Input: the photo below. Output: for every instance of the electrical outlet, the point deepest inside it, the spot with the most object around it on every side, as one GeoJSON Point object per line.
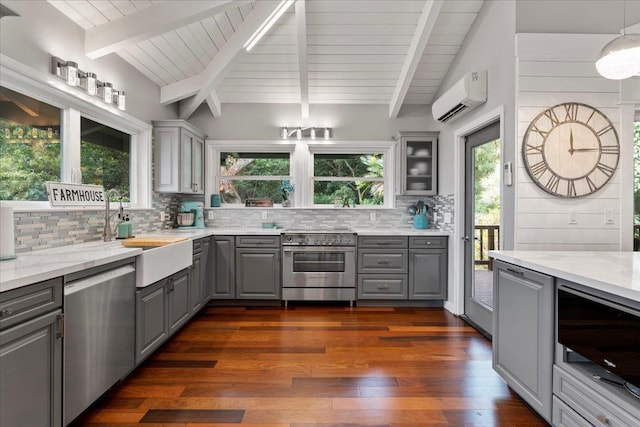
{"type": "Point", "coordinates": [265, 215]}
{"type": "Point", "coordinates": [573, 217]}
{"type": "Point", "coordinates": [210, 215]}
{"type": "Point", "coordinates": [447, 217]}
{"type": "Point", "coordinates": [163, 216]}
{"type": "Point", "coordinates": [372, 216]}
{"type": "Point", "coordinates": [608, 216]}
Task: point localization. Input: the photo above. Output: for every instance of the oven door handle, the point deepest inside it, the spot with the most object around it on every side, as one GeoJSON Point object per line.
{"type": "Point", "coordinates": [291, 249]}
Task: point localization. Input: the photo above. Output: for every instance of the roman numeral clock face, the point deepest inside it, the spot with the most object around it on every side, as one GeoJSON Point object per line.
{"type": "Point", "coordinates": [571, 150]}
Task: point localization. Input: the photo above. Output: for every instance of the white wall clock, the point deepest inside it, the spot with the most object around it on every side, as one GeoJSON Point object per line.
{"type": "Point", "coordinates": [571, 150]}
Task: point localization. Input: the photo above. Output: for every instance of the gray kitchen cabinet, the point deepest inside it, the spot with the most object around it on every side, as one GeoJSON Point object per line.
{"type": "Point", "coordinates": [198, 278]}
{"type": "Point", "coordinates": [258, 267]}
{"type": "Point", "coordinates": [208, 249]}
{"type": "Point", "coordinates": [192, 165]}
{"type": "Point", "coordinates": [224, 266]}
{"type": "Point", "coordinates": [178, 150]}
{"type": "Point", "coordinates": [382, 286]}
{"type": "Point", "coordinates": [152, 322]}
{"type": "Point", "coordinates": [428, 278]}
{"type": "Point", "coordinates": [523, 333]}
{"type": "Point", "coordinates": [31, 390]}
{"type": "Point", "coordinates": [383, 267]}
{"type": "Point", "coordinates": [179, 304]}
{"type": "Point", "coordinates": [418, 163]}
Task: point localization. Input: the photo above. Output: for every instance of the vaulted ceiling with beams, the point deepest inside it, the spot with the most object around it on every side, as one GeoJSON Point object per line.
{"type": "Point", "coordinates": [391, 52]}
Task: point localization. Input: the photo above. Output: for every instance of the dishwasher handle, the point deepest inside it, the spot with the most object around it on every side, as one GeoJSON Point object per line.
{"type": "Point", "coordinates": [96, 279]}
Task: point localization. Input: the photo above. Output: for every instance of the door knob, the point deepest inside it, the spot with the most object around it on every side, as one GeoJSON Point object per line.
{"type": "Point", "coordinates": [465, 239]}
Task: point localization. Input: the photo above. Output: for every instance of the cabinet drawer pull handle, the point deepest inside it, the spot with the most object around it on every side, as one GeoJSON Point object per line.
{"type": "Point", "coordinates": [383, 261]}
{"type": "Point", "coordinates": [428, 243]}
{"type": "Point", "coordinates": [383, 287]}
{"type": "Point", "coordinates": [6, 312]}
{"type": "Point", "coordinates": [384, 242]}
{"type": "Point", "coordinates": [603, 419]}
{"type": "Point", "coordinates": [514, 271]}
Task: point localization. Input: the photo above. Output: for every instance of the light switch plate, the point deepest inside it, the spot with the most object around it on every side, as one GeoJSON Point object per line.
{"type": "Point", "coordinates": [447, 217]}
{"type": "Point", "coordinates": [162, 216]}
{"type": "Point", "coordinates": [265, 215]}
{"type": "Point", "coordinates": [573, 217]}
{"type": "Point", "coordinates": [372, 216]}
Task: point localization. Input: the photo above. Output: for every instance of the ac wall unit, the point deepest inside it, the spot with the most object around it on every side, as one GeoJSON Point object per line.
{"type": "Point", "coordinates": [462, 97]}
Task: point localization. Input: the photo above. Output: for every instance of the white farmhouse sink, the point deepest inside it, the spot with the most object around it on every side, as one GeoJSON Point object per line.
{"type": "Point", "coordinates": [161, 261]}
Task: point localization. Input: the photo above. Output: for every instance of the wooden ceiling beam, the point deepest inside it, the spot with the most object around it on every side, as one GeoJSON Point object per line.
{"type": "Point", "coordinates": [426, 23]}
{"type": "Point", "coordinates": [214, 104]}
{"type": "Point", "coordinates": [150, 22]}
{"type": "Point", "coordinates": [303, 67]}
{"type": "Point", "coordinates": [226, 58]}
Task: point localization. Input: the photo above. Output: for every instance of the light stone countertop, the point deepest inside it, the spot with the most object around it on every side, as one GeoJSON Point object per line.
{"type": "Point", "coordinates": [617, 273]}
{"type": "Point", "coordinates": [33, 267]}
{"type": "Point", "coordinates": [36, 266]}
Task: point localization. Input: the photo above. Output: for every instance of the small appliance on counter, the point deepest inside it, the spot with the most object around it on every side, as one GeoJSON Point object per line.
{"type": "Point", "coordinates": [190, 215]}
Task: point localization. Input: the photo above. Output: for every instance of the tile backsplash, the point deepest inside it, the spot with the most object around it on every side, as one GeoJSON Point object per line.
{"type": "Point", "coordinates": [325, 219]}
{"type": "Point", "coordinates": [48, 229]}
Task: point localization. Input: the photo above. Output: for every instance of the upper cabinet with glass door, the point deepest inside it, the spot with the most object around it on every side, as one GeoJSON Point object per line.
{"type": "Point", "coordinates": [178, 150]}
{"type": "Point", "coordinates": [418, 162]}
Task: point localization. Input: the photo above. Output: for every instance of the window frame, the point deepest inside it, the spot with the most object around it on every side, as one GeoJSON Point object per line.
{"type": "Point", "coordinates": [301, 165]}
{"type": "Point", "coordinates": [212, 162]}
{"type": "Point", "coordinates": [386, 148]}
{"type": "Point", "coordinates": [74, 104]}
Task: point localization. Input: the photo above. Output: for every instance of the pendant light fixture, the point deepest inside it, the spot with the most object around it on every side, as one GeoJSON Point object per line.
{"type": "Point", "coordinates": [620, 58]}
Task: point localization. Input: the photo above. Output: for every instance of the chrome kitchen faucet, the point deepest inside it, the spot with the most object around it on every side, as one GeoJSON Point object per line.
{"type": "Point", "coordinates": [107, 232]}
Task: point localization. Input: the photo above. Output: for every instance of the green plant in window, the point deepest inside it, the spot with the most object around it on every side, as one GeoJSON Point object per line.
{"type": "Point", "coordinates": [372, 192]}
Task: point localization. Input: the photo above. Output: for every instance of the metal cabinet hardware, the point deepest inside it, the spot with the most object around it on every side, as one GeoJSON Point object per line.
{"type": "Point", "coordinates": [514, 271]}
{"type": "Point", "coordinates": [383, 287]}
{"type": "Point", "coordinates": [383, 261]}
{"type": "Point", "coordinates": [384, 242]}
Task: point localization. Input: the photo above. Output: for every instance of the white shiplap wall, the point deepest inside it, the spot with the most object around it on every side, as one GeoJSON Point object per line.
{"type": "Point", "coordinates": [552, 69]}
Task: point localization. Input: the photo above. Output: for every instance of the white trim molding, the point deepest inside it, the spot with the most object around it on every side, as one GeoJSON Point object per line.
{"type": "Point", "coordinates": [455, 302]}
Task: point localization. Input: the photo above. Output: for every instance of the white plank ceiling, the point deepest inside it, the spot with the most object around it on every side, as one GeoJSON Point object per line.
{"type": "Point", "coordinates": [321, 51]}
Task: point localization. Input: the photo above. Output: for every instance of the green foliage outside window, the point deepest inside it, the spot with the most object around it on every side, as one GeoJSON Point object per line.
{"type": "Point", "coordinates": [252, 165]}
{"type": "Point", "coordinates": [358, 191]}
{"type": "Point", "coordinates": [27, 163]}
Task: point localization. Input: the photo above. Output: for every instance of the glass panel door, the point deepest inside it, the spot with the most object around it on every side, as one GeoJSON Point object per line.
{"type": "Point", "coordinates": [482, 222]}
{"type": "Point", "coordinates": [636, 187]}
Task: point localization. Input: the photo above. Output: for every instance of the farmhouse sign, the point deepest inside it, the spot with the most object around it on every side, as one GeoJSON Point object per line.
{"type": "Point", "coordinates": [65, 194]}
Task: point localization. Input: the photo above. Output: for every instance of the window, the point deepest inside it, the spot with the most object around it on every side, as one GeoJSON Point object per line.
{"type": "Point", "coordinates": [105, 156]}
{"type": "Point", "coordinates": [252, 175]}
{"type": "Point", "coordinates": [321, 173]}
{"type": "Point", "coordinates": [348, 179]}
{"type": "Point", "coordinates": [29, 146]}
{"type": "Point", "coordinates": [66, 137]}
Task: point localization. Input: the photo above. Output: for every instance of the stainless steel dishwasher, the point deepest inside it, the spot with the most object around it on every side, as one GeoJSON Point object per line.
{"type": "Point", "coordinates": [99, 333]}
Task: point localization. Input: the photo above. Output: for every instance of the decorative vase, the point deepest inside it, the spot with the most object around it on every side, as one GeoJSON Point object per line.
{"type": "Point", "coordinates": [286, 203]}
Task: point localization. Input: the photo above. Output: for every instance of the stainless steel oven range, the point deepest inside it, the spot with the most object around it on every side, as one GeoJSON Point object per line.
{"type": "Point", "coordinates": [319, 266]}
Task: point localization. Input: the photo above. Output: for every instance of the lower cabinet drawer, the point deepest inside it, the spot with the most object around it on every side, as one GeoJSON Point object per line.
{"type": "Point", "coordinates": [390, 261]}
{"type": "Point", "coordinates": [27, 302]}
{"type": "Point", "coordinates": [564, 416]}
{"type": "Point", "coordinates": [588, 402]}
{"type": "Point", "coordinates": [382, 286]}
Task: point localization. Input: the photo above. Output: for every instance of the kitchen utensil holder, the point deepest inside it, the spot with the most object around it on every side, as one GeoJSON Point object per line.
{"type": "Point", "coordinates": [420, 221]}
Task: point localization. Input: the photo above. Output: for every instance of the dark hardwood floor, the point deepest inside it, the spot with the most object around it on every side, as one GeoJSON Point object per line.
{"type": "Point", "coordinates": [317, 366]}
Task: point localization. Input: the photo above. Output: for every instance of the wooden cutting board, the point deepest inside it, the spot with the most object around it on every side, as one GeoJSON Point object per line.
{"type": "Point", "coordinates": [139, 242]}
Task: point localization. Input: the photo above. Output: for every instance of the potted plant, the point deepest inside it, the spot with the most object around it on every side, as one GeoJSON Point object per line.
{"type": "Point", "coordinates": [286, 189]}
